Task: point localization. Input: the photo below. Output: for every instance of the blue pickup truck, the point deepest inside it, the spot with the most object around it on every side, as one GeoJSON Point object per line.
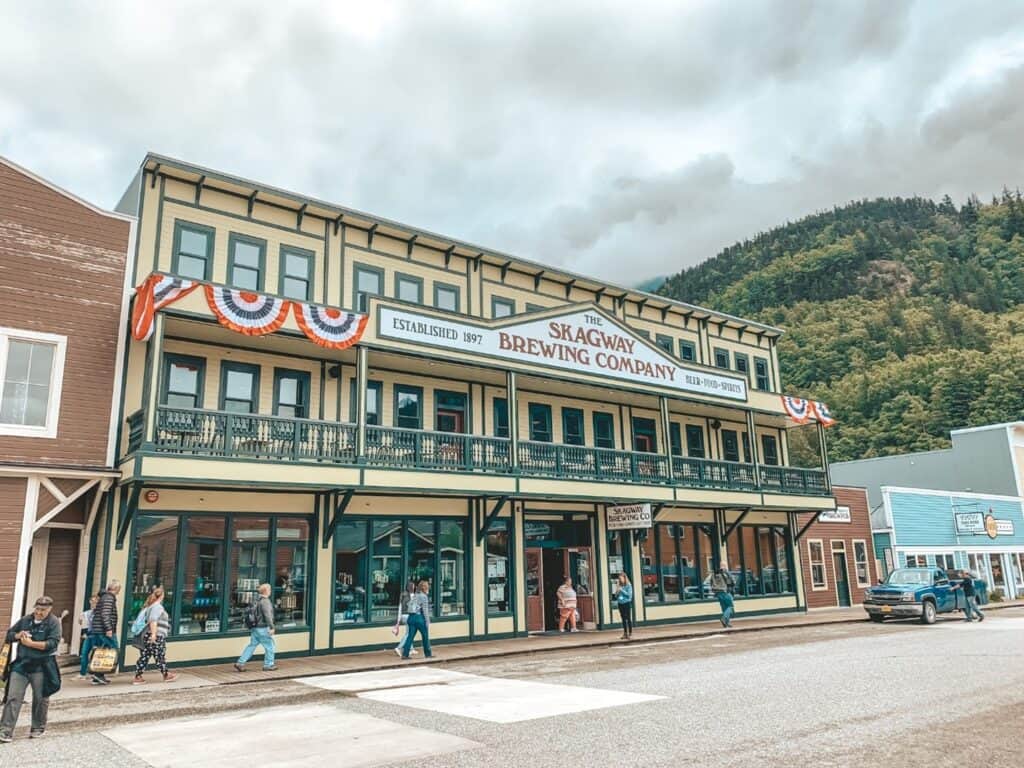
{"type": "Point", "coordinates": [919, 592]}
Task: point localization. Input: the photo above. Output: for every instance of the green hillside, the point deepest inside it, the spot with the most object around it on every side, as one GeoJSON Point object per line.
{"type": "Point", "coordinates": [905, 316]}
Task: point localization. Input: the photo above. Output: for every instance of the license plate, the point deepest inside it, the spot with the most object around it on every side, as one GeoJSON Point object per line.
{"type": "Point", "coordinates": [886, 609]}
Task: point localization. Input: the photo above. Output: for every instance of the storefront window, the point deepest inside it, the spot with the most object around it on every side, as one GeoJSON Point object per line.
{"type": "Point", "coordinates": [386, 582]}
{"type": "Point", "coordinates": [499, 568]}
{"type": "Point", "coordinates": [250, 555]}
{"type": "Point", "coordinates": [649, 567]}
{"type": "Point", "coordinates": [860, 558]}
{"type": "Point", "coordinates": [693, 573]}
{"type": "Point", "coordinates": [668, 559]}
{"type": "Point", "coordinates": [451, 585]}
{"type": "Point", "coordinates": [202, 583]}
{"type": "Point", "coordinates": [156, 558]}
{"type": "Point", "coordinates": [350, 567]}
{"type": "Point", "coordinates": [1017, 564]}
{"type": "Point", "coordinates": [618, 555]}
{"type": "Point", "coordinates": [816, 558]}
{"type": "Point", "coordinates": [291, 549]}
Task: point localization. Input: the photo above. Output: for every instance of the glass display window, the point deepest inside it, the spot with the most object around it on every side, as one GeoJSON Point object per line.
{"type": "Point", "coordinates": [350, 567]}
{"type": "Point", "coordinates": [499, 568]}
{"type": "Point", "coordinates": [291, 555]}
{"type": "Point", "coordinates": [202, 584]}
{"type": "Point", "coordinates": [451, 585]}
{"type": "Point", "coordinates": [156, 560]}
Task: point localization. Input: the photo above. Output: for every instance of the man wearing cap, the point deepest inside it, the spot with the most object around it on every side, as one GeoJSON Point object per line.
{"type": "Point", "coordinates": [37, 636]}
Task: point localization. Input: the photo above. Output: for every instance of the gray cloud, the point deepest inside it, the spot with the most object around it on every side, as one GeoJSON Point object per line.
{"type": "Point", "coordinates": [619, 144]}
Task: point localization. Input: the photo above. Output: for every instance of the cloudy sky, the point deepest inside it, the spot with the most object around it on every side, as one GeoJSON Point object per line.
{"type": "Point", "coordinates": [623, 140]}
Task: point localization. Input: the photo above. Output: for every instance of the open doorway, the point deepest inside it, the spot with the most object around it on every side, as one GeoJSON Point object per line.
{"type": "Point", "coordinates": [555, 550]}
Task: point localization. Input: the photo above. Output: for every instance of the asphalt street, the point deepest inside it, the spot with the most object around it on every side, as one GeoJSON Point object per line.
{"type": "Point", "coordinates": [853, 694]}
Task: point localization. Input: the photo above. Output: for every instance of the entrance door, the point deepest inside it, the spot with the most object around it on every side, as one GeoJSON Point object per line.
{"type": "Point", "coordinates": [842, 585]}
{"type": "Point", "coordinates": [554, 574]}
{"type": "Point", "coordinates": [998, 575]}
{"type": "Point", "coordinates": [534, 590]}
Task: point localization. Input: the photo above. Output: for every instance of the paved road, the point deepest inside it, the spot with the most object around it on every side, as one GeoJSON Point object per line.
{"type": "Point", "coordinates": [859, 694]}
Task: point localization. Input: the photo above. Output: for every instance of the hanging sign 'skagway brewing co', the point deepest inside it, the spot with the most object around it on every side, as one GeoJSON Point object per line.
{"type": "Point", "coordinates": [582, 342]}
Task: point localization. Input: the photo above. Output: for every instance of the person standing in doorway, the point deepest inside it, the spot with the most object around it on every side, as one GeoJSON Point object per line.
{"type": "Point", "coordinates": [419, 620]}
{"type": "Point", "coordinates": [566, 605]}
{"type": "Point", "coordinates": [403, 616]}
{"type": "Point", "coordinates": [966, 585]}
{"type": "Point", "coordinates": [260, 620]}
{"type": "Point", "coordinates": [624, 600]}
{"type": "Point", "coordinates": [154, 637]}
{"type": "Point", "coordinates": [37, 636]}
{"type": "Point", "coordinates": [103, 627]}
{"type": "Point", "coordinates": [85, 621]}
{"type": "Point", "coordinates": [722, 586]}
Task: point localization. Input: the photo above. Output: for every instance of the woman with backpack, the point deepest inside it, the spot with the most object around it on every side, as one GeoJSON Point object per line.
{"type": "Point", "coordinates": [152, 636]}
{"type": "Point", "coordinates": [419, 620]}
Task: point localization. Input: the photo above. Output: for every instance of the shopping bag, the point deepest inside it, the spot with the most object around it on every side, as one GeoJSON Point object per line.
{"type": "Point", "coordinates": [103, 660]}
{"type": "Point", "coordinates": [5, 654]}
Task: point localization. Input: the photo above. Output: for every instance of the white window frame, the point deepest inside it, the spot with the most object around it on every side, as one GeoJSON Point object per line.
{"type": "Point", "coordinates": [920, 561]}
{"type": "Point", "coordinates": [49, 429]}
{"type": "Point", "coordinates": [810, 565]}
{"type": "Point", "coordinates": [856, 563]}
{"type": "Point", "coordinates": [945, 555]}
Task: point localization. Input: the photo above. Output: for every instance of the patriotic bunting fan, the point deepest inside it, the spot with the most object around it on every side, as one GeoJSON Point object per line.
{"type": "Point", "coordinates": [329, 327]}
{"type": "Point", "coordinates": [245, 312]}
{"type": "Point", "coordinates": [798, 409]}
{"type": "Point", "coordinates": [153, 295]}
{"type": "Point", "coordinates": [823, 414]}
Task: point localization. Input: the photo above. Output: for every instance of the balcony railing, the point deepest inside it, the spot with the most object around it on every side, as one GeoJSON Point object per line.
{"type": "Point", "coordinates": [243, 435]}
{"type": "Point", "coordinates": [583, 463]}
{"type": "Point", "coordinates": [188, 431]}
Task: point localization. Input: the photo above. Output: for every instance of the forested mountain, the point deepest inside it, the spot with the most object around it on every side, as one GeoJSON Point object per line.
{"type": "Point", "coordinates": [905, 316]}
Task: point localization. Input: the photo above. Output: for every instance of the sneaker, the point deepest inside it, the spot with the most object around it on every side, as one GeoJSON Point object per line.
{"type": "Point", "coordinates": [100, 680]}
{"type": "Point", "coordinates": [83, 677]}
{"type": "Point", "coordinates": [981, 617]}
{"type": "Point", "coordinates": [239, 667]}
{"type": "Point", "coordinates": [36, 734]}
{"type": "Point", "coordinates": [270, 669]}
{"type": "Point", "coordinates": [398, 652]}
{"type": "Point", "coordinates": [5, 739]}
{"type": "Point", "coordinates": [170, 677]}
{"type": "Point", "coordinates": [721, 619]}
{"type": "Point", "coordinates": [414, 652]}
{"type": "Point", "coordinates": [573, 630]}
{"type": "Point", "coordinates": [138, 681]}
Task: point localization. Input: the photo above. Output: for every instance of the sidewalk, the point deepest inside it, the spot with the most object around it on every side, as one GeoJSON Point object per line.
{"type": "Point", "coordinates": [339, 663]}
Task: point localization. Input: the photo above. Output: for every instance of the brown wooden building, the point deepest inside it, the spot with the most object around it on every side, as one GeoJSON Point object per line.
{"type": "Point", "coordinates": [836, 552]}
{"type": "Point", "coordinates": [63, 308]}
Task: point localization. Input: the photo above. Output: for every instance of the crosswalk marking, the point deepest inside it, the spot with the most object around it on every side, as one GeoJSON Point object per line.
{"type": "Point", "coordinates": [383, 678]}
{"type": "Point", "coordinates": [285, 737]}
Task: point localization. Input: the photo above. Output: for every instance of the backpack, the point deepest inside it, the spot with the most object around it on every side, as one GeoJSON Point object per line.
{"type": "Point", "coordinates": [253, 615]}
{"type": "Point", "coordinates": [140, 622]}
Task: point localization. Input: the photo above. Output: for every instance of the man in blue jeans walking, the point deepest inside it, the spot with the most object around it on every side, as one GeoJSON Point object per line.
{"type": "Point", "coordinates": [721, 586]}
{"type": "Point", "coordinates": [262, 633]}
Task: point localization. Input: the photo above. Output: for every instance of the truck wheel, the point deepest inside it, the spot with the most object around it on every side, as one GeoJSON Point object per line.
{"type": "Point", "coordinates": [876, 618]}
{"type": "Point", "coordinates": [928, 612]}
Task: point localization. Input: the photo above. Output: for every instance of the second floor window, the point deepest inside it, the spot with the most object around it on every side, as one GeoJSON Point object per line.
{"type": "Point", "coordinates": [296, 273]}
{"type": "Point", "coordinates": [183, 385]}
{"type": "Point", "coordinates": [31, 372]}
{"type": "Point", "coordinates": [540, 423]}
{"type": "Point", "coordinates": [500, 417]}
{"type": "Point", "coordinates": [446, 297]}
{"type": "Point", "coordinates": [245, 262]}
{"type": "Point", "coordinates": [291, 394]}
{"type": "Point", "coordinates": [730, 445]}
{"type": "Point", "coordinates": [373, 396]}
{"type": "Point", "coordinates": [761, 378]}
{"type": "Point", "coordinates": [742, 363]}
{"type": "Point", "coordinates": [769, 450]}
{"type": "Point", "coordinates": [408, 407]}
{"type": "Point", "coordinates": [193, 251]}
{"type": "Point", "coordinates": [604, 430]}
{"type": "Point", "coordinates": [675, 436]}
{"type": "Point", "coordinates": [645, 435]}
{"type": "Point", "coordinates": [572, 426]}
{"type": "Point", "coordinates": [694, 441]}
{"type": "Point", "coordinates": [369, 282]}
{"type": "Point", "coordinates": [687, 350]}
{"type": "Point", "coordinates": [239, 388]}
{"type": "Point", "coordinates": [721, 358]}
{"type": "Point", "coordinates": [502, 307]}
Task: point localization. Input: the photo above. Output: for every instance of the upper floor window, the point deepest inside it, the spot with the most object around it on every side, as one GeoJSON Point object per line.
{"type": "Point", "coordinates": [572, 426]}
{"type": "Point", "coordinates": [373, 397]}
{"type": "Point", "coordinates": [446, 297]}
{"type": "Point", "coordinates": [184, 377]}
{"type": "Point", "coordinates": [535, 307]}
{"type": "Point", "coordinates": [291, 393]}
{"type": "Point", "coordinates": [761, 378]}
{"type": "Point", "coordinates": [730, 445]}
{"type": "Point", "coordinates": [687, 350]}
{"type": "Point", "coordinates": [239, 387]}
{"type": "Point", "coordinates": [742, 363]}
{"type": "Point", "coordinates": [369, 282]}
{"type": "Point", "coordinates": [604, 430]}
{"type": "Point", "coordinates": [409, 288]}
{"type": "Point", "coordinates": [296, 273]}
{"type": "Point", "coordinates": [645, 435]}
{"type": "Point", "coordinates": [769, 450]}
{"type": "Point", "coordinates": [675, 436]}
{"type": "Point", "coordinates": [32, 371]}
{"type": "Point", "coordinates": [500, 417]}
{"type": "Point", "coordinates": [246, 259]}
{"type": "Point", "coordinates": [694, 441]}
{"type": "Point", "coordinates": [502, 307]}
{"type": "Point", "coordinates": [721, 358]}
{"type": "Point", "coordinates": [540, 423]}
{"type": "Point", "coordinates": [665, 342]}
{"type": "Point", "coordinates": [193, 251]}
{"type": "Point", "coordinates": [408, 407]}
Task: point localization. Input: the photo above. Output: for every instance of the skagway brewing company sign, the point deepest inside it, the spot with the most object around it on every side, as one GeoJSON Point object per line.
{"type": "Point", "coordinates": [628, 516]}
{"type": "Point", "coordinates": [584, 341]}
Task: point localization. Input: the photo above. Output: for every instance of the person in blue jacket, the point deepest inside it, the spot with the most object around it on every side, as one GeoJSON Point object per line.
{"type": "Point", "coordinates": [624, 599]}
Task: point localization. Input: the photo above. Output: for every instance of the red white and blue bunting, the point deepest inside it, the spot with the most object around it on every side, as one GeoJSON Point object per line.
{"type": "Point", "coordinates": [153, 295]}
{"type": "Point", "coordinates": [329, 327]}
{"type": "Point", "coordinates": [247, 312]}
{"type": "Point", "coordinates": [253, 314]}
{"type": "Point", "coordinates": [801, 411]}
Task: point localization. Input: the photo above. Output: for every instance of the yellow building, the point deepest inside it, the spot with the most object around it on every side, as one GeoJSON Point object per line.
{"type": "Point", "coordinates": [373, 403]}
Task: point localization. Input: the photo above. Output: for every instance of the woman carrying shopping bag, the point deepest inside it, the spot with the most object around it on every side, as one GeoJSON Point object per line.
{"type": "Point", "coordinates": [153, 637]}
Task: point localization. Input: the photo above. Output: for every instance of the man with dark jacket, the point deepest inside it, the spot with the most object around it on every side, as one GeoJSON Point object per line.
{"type": "Point", "coordinates": [966, 584]}
{"type": "Point", "coordinates": [103, 629]}
{"type": "Point", "coordinates": [37, 636]}
{"type": "Point", "coordinates": [261, 633]}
